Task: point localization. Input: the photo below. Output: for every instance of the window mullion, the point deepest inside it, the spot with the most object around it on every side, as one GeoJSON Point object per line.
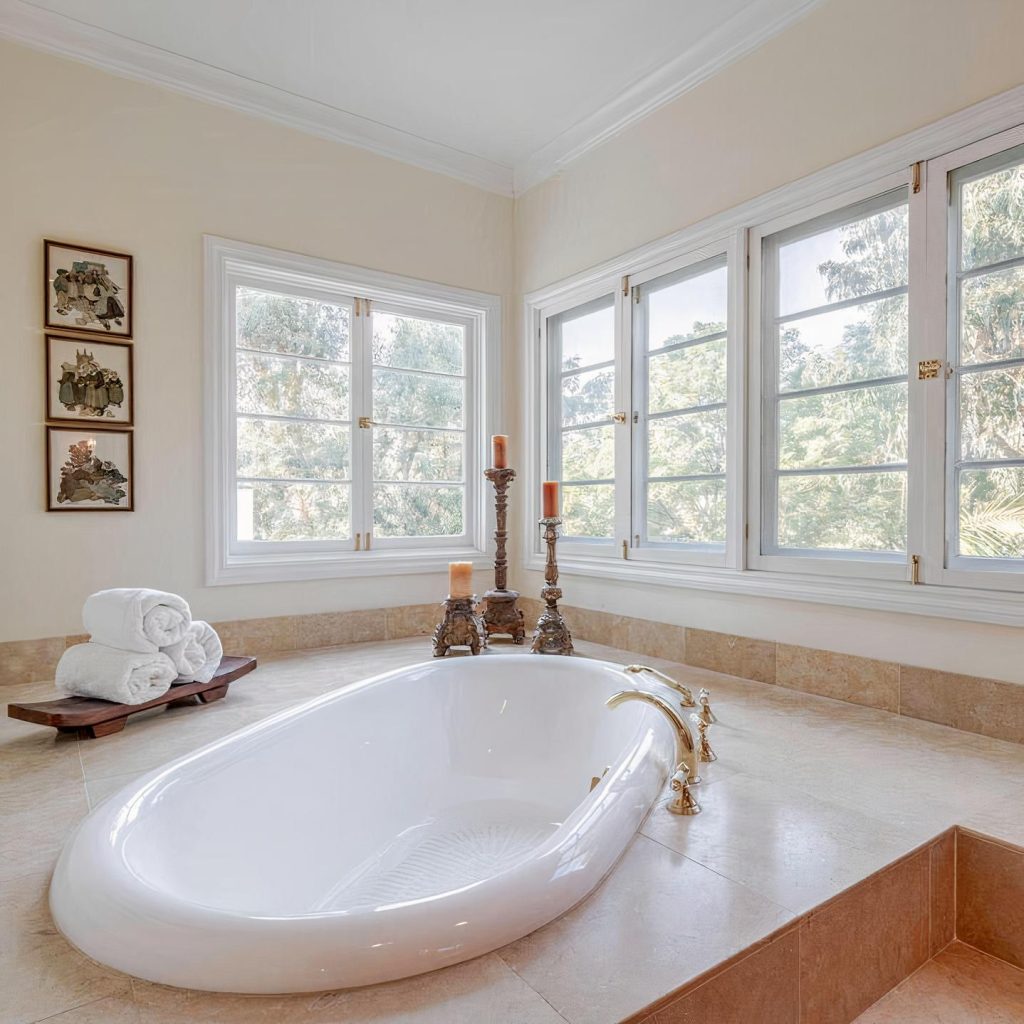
{"type": "Point", "coordinates": [627, 469]}
{"type": "Point", "coordinates": [362, 438]}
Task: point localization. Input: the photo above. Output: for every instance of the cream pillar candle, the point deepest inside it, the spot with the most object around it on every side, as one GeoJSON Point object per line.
{"type": "Point", "coordinates": [460, 579]}
{"type": "Point", "coordinates": [499, 451]}
{"type": "Point", "coordinates": [550, 499]}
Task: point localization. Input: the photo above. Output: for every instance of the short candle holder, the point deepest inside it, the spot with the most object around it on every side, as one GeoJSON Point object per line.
{"type": "Point", "coordinates": [460, 627]}
{"type": "Point", "coordinates": [552, 635]}
{"type": "Point", "coordinates": [502, 616]}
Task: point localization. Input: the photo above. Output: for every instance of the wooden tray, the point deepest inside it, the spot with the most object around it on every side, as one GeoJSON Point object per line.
{"type": "Point", "coordinates": [91, 718]}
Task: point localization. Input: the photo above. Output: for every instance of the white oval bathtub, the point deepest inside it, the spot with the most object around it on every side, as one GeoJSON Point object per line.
{"type": "Point", "coordinates": [402, 824]}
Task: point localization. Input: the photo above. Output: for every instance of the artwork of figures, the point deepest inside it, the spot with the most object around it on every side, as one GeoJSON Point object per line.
{"type": "Point", "coordinates": [89, 470]}
{"type": "Point", "coordinates": [88, 379]}
{"type": "Point", "coordinates": [88, 289]}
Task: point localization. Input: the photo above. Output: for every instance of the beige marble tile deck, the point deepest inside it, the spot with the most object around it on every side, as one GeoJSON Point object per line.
{"type": "Point", "coordinates": [679, 902]}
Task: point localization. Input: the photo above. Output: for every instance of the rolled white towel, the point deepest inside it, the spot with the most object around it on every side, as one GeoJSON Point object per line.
{"type": "Point", "coordinates": [136, 619]}
{"type": "Point", "coordinates": [197, 654]}
{"type": "Point", "coordinates": [125, 677]}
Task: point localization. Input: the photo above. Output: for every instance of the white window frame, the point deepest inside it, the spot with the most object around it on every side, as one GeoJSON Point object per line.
{"type": "Point", "coordinates": [760, 549]}
{"type": "Point", "coordinates": [944, 592]}
{"type": "Point", "coordinates": [230, 264]}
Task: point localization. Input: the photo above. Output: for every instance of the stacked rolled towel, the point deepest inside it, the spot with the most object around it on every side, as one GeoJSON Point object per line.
{"type": "Point", "coordinates": [142, 642]}
{"type": "Point", "coordinates": [126, 677]}
{"type": "Point", "coordinates": [197, 654]}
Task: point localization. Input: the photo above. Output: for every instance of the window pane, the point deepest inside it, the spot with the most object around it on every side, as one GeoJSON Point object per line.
{"type": "Point", "coordinates": [690, 308]}
{"type": "Point", "coordinates": [687, 511]}
{"type": "Point", "coordinates": [401, 510]}
{"type": "Point", "coordinates": [992, 512]}
{"type": "Point", "coordinates": [992, 316]}
{"type": "Point", "coordinates": [687, 377]}
{"type": "Point", "coordinates": [414, 399]}
{"type": "Point", "coordinates": [844, 345]}
{"type": "Point", "coordinates": [588, 338]}
{"type": "Point", "coordinates": [588, 510]}
{"type": "Point", "coordinates": [413, 344]}
{"type": "Point", "coordinates": [588, 397]}
{"type": "Point", "coordinates": [589, 454]}
{"type": "Point", "coordinates": [686, 445]}
{"type": "Point", "coordinates": [292, 387]}
{"type": "Point", "coordinates": [849, 512]}
{"type": "Point", "coordinates": [293, 511]}
{"type": "Point", "coordinates": [860, 427]}
{"type": "Point", "coordinates": [992, 414]}
{"type": "Point", "coordinates": [417, 454]}
{"type": "Point", "coordinates": [305, 451]}
{"type": "Point", "coordinates": [283, 323]}
{"type": "Point", "coordinates": [864, 256]}
{"type": "Point", "coordinates": [992, 218]}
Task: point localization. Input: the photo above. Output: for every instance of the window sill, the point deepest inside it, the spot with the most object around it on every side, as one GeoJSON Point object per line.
{"type": "Point", "coordinates": [281, 568]}
{"type": "Point", "coordinates": [1002, 608]}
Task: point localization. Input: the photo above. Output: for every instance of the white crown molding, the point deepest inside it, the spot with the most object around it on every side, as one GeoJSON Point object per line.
{"type": "Point", "coordinates": [54, 33]}
{"type": "Point", "coordinates": [754, 25]}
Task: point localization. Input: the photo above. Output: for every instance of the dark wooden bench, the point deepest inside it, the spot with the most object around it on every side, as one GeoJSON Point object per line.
{"type": "Point", "coordinates": [91, 718]}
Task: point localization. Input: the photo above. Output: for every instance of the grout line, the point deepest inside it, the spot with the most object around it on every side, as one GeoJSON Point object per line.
{"type": "Point", "coordinates": [77, 1006]}
{"type": "Point", "coordinates": [554, 1008]}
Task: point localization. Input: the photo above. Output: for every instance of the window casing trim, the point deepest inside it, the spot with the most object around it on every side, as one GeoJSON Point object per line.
{"type": "Point", "coordinates": [227, 264]}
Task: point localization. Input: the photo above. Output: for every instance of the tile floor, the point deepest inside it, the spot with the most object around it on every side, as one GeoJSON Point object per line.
{"type": "Point", "coordinates": [808, 797]}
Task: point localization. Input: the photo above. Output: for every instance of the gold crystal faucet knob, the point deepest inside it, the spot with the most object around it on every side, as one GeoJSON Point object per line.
{"type": "Point", "coordinates": [683, 802]}
{"type": "Point", "coordinates": [704, 751]}
{"type": "Point", "coordinates": [706, 714]}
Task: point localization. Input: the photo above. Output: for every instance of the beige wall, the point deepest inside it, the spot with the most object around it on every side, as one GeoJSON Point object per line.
{"type": "Point", "coordinates": [88, 157]}
{"type": "Point", "coordinates": [849, 76]}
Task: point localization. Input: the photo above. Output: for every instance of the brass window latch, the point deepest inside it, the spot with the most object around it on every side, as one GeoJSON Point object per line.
{"type": "Point", "coordinates": [365, 423]}
{"type": "Point", "coordinates": [619, 417]}
{"type": "Point", "coordinates": [928, 369]}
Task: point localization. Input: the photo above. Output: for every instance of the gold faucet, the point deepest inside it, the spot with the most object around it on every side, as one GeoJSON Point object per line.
{"type": "Point", "coordinates": [686, 752]}
{"type": "Point", "coordinates": [684, 692]}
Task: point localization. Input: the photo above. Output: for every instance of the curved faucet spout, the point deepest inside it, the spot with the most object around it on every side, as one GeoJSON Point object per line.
{"type": "Point", "coordinates": [685, 693]}
{"type": "Point", "coordinates": [686, 753]}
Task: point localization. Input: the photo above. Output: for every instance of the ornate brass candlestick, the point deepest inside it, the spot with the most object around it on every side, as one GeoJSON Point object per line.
{"type": "Point", "coordinates": [552, 635]}
{"type": "Point", "coordinates": [460, 627]}
{"type": "Point", "coordinates": [501, 614]}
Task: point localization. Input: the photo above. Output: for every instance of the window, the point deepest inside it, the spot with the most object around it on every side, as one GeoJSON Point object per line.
{"type": "Point", "coordinates": [841, 419]}
{"type": "Point", "coordinates": [834, 415]}
{"type": "Point", "coordinates": [349, 415]}
{"type": "Point", "coordinates": [637, 419]}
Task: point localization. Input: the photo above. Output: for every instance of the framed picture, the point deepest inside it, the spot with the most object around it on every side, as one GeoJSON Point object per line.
{"type": "Point", "coordinates": [89, 380]}
{"type": "Point", "coordinates": [89, 470]}
{"type": "Point", "coordinates": [87, 289]}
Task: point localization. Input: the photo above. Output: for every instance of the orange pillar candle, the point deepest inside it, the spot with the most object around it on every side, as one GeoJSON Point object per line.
{"type": "Point", "coordinates": [499, 451]}
{"type": "Point", "coordinates": [550, 499]}
{"type": "Point", "coordinates": [460, 579]}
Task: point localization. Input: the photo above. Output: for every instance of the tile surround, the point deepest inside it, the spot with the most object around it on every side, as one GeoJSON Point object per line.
{"type": "Point", "coordinates": [990, 897]}
{"type": "Point", "coordinates": [990, 707]}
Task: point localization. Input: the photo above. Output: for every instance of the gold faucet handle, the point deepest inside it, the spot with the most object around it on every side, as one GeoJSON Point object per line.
{"type": "Point", "coordinates": [685, 693]}
{"type": "Point", "coordinates": [706, 714]}
{"type": "Point", "coordinates": [683, 802]}
{"type": "Point", "coordinates": [704, 751]}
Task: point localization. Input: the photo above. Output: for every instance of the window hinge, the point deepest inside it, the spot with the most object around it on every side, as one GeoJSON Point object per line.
{"type": "Point", "coordinates": [636, 417]}
{"type": "Point", "coordinates": [357, 303]}
{"type": "Point", "coordinates": [748, 261]}
{"type": "Point", "coordinates": [368, 537]}
{"type": "Point", "coordinates": [915, 177]}
{"type": "Point", "coordinates": [636, 294]}
{"type": "Point", "coordinates": [746, 531]}
{"type": "Point", "coordinates": [625, 549]}
{"type": "Point", "coordinates": [359, 541]}
{"type": "Point", "coordinates": [915, 569]}
{"type": "Point", "coordinates": [625, 287]}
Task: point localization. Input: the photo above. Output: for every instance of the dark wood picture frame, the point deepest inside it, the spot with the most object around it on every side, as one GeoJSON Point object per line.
{"type": "Point", "coordinates": [49, 320]}
{"type": "Point", "coordinates": [87, 421]}
{"type": "Point", "coordinates": [53, 506]}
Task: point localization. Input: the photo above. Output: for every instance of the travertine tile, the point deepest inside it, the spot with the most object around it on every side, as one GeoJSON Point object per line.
{"type": "Point", "coordinates": [942, 859]}
{"type": "Point", "coordinates": [792, 849]}
{"type": "Point", "coordinates": [114, 1010]}
{"type": "Point", "coordinates": [990, 897]}
{"type": "Point", "coordinates": [258, 636]}
{"type": "Point", "coordinates": [763, 987]}
{"type": "Point", "coordinates": [656, 639]}
{"type": "Point", "coordinates": [987, 706]}
{"type": "Point", "coordinates": [860, 945]}
{"type": "Point", "coordinates": [330, 629]}
{"type": "Point", "coordinates": [840, 676]}
{"type": "Point", "coordinates": [76, 638]}
{"type": "Point", "coordinates": [413, 620]}
{"type": "Point", "coordinates": [598, 626]}
{"type": "Point", "coordinates": [733, 655]}
{"type": "Point", "coordinates": [42, 975]}
{"type": "Point", "coordinates": [26, 661]}
{"type": "Point", "coordinates": [698, 918]}
{"type": "Point", "coordinates": [960, 986]}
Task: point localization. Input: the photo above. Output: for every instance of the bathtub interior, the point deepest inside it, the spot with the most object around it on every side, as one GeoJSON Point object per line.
{"type": "Point", "coordinates": [418, 783]}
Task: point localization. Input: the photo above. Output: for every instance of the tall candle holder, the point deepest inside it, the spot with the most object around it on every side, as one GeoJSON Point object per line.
{"type": "Point", "coordinates": [552, 635]}
{"type": "Point", "coordinates": [502, 616]}
{"type": "Point", "coordinates": [460, 627]}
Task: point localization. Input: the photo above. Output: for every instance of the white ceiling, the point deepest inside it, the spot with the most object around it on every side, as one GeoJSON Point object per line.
{"type": "Point", "coordinates": [501, 94]}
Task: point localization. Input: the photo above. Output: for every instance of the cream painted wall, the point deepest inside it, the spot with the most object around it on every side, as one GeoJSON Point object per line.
{"type": "Point", "coordinates": [88, 157]}
{"type": "Point", "coordinates": [851, 75]}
